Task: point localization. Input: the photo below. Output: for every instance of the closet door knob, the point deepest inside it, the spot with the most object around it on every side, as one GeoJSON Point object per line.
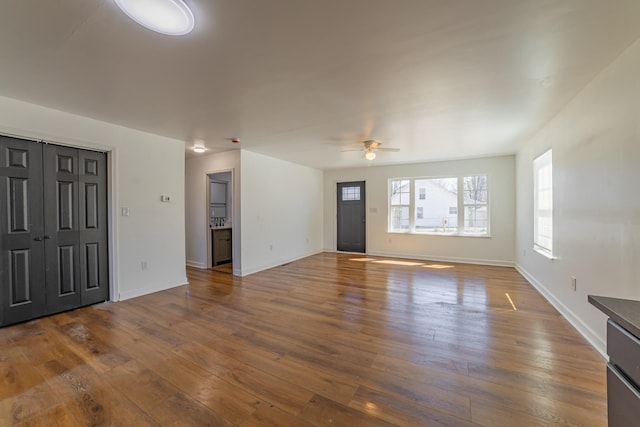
{"type": "Point", "coordinates": [47, 237]}
{"type": "Point", "coordinates": [38, 239]}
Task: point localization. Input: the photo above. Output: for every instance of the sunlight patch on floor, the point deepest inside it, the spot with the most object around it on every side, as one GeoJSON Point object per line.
{"type": "Point", "coordinates": [388, 261]}
{"type": "Point", "coordinates": [437, 266]}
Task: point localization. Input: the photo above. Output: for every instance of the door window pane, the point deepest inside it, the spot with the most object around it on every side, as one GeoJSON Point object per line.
{"type": "Point", "coordinates": [350, 193]}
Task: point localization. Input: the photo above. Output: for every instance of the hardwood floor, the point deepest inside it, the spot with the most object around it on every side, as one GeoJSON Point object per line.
{"type": "Point", "coordinates": [223, 268]}
{"type": "Point", "coordinates": [332, 339]}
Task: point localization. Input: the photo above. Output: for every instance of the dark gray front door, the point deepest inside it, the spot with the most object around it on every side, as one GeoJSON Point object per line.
{"type": "Point", "coordinates": [58, 260]}
{"type": "Point", "coordinates": [22, 284]}
{"type": "Point", "coordinates": [351, 217]}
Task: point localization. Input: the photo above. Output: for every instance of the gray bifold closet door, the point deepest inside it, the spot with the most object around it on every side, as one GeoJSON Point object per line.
{"type": "Point", "coordinates": [53, 229]}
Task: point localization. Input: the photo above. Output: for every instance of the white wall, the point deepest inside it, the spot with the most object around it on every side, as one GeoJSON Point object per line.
{"type": "Point", "coordinates": [281, 212]}
{"type": "Point", "coordinates": [197, 211]}
{"type": "Point", "coordinates": [596, 173]}
{"type": "Point", "coordinates": [142, 168]}
{"type": "Point", "coordinates": [497, 249]}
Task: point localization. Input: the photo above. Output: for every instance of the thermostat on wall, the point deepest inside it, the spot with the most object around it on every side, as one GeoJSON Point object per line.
{"type": "Point", "coordinates": [165, 199]}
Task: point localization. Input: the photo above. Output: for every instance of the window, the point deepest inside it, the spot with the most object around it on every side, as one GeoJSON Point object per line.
{"type": "Point", "coordinates": [543, 204]}
{"type": "Point", "coordinates": [443, 192]}
{"type": "Point", "coordinates": [400, 201]}
{"type": "Point", "coordinates": [475, 204]}
{"type": "Point", "coordinates": [434, 203]}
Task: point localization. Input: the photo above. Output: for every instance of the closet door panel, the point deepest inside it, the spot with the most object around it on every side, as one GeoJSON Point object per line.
{"type": "Point", "coordinates": [22, 284]}
{"type": "Point", "coordinates": [94, 263]}
{"type": "Point", "coordinates": [62, 240]}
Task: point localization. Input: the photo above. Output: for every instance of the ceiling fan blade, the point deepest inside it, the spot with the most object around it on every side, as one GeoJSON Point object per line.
{"type": "Point", "coordinates": [351, 149]}
{"type": "Point", "coordinates": [336, 139]}
{"type": "Point", "coordinates": [388, 149]}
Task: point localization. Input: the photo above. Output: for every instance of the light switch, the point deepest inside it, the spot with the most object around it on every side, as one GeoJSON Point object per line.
{"type": "Point", "coordinates": [125, 211]}
{"type": "Point", "coordinates": [165, 199]}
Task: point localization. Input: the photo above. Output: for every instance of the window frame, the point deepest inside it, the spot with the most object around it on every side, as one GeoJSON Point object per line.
{"type": "Point", "coordinates": [410, 206]}
{"type": "Point", "coordinates": [460, 232]}
{"type": "Point", "coordinates": [539, 164]}
{"type": "Point", "coordinates": [475, 204]}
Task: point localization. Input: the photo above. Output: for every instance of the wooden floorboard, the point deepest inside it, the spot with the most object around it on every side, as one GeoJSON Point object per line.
{"type": "Point", "coordinates": [333, 339]}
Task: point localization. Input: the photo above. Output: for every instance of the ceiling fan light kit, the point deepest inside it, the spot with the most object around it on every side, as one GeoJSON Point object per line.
{"type": "Point", "coordinates": [370, 147]}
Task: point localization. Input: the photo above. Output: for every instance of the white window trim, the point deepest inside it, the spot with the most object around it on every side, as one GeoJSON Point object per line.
{"type": "Point", "coordinates": [545, 253]}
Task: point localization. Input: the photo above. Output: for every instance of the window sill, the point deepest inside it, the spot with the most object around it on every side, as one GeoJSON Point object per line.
{"type": "Point", "coordinates": [413, 233]}
{"type": "Point", "coordinates": [544, 253]}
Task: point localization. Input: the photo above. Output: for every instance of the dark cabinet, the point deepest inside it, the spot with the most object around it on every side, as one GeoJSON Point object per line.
{"type": "Point", "coordinates": [221, 245]}
{"type": "Point", "coordinates": [623, 399]}
{"type": "Point", "coordinates": [623, 369]}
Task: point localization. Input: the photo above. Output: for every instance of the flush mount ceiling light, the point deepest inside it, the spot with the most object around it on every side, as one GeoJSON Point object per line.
{"type": "Point", "coordinates": [171, 17]}
{"type": "Point", "coordinates": [199, 148]}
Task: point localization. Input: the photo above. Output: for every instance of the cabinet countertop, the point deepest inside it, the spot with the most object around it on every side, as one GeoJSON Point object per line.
{"type": "Point", "coordinates": [226, 227]}
{"type": "Point", "coordinates": [625, 312]}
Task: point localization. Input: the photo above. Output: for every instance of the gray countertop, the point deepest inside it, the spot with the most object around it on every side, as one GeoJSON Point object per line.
{"type": "Point", "coordinates": [625, 312]}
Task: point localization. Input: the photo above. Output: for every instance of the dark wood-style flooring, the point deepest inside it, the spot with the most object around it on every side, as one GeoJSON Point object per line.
{"type": "Point", "coordinates": [330, 340]}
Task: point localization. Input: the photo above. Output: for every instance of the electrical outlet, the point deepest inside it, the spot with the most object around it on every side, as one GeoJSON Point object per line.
{"type": "Point", "coordinates": [524, 252]}
{"type": "Point", "coordinates": [143, 265]}
{"type": "Point", "coordinates": [574, 283]}
{"type": "Point", "coordinates": [270, 247]}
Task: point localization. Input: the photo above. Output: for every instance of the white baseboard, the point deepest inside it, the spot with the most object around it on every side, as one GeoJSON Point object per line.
{"type": "Point", "coordinates": [253, 270]}
{"type": "Point", "coordinates": [594, 339]}
{"type": "Point", "coordinates": [150, 290]}
{"type": "Point", "coordinates": [196, 264]}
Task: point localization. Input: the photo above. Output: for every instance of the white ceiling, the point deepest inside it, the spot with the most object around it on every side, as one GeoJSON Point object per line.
{"type": "Point", "coordinates": [438, 79]}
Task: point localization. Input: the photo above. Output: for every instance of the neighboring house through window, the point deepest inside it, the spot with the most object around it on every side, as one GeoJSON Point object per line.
{"type": "Point", "coordinates": [434, 203]}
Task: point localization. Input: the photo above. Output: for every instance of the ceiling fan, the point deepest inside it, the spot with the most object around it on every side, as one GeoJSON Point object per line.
{"type": "Point", "coordinates": [370, 147]}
